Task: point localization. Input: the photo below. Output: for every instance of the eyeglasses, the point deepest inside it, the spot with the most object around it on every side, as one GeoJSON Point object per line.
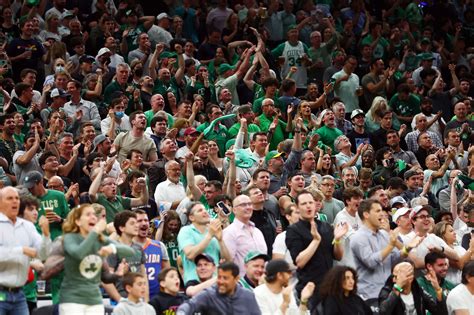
{"type": "Point", "coordinates": [244, 204]}
{"type": "Point", "coordinates": [423, 217]}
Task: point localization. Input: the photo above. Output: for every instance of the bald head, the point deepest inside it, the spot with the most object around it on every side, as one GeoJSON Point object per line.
{"type": "Point", "coordinates": [9, 202]}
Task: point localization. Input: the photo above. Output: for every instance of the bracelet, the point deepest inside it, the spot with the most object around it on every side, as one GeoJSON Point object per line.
{"type": "Point", "coordinates": [304, 302]}
{"type": "Point", "coordinates": [398, 288]}
{"type": "Point", "coordinates": [405, 251]}
{"type": "Point", "coordinates": [336, 242]}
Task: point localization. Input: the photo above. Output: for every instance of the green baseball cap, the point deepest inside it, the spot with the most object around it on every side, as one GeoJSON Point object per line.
{"type": "Point", "coordinates": [427, 56]}
{"type": "Point", "coordinates": [254, 255]}
{"type": "Point", "coordinates": [225, 67]}
{"type": "Point", "coordinates": [272, 155]}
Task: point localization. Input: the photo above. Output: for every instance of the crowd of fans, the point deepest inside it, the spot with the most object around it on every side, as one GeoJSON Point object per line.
{"type": "Point", "coordinates": [235, 157]}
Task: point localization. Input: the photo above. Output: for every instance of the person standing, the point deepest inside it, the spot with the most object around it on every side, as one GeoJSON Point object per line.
{"type": "Point", "coordinates": [20, 242]}
{"type": "Point", "coordinates": [313, 245]}
{"type": "Point", "coordinates": [84, 249]}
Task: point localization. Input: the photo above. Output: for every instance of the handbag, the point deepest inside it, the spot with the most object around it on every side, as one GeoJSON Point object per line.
{"type": "Point", "coordinates": [54, 264]}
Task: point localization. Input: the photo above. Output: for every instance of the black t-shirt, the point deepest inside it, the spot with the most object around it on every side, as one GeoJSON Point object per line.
{"type": "Point", "coordinates": [357, 139]}
{"type": "Point", "coordinates": [18, 46]}
{"type": "Point", "coordinates": [164, 303]}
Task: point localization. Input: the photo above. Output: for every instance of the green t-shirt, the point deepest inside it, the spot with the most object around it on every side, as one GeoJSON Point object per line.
{"type": "Point", "coordinates": [173, 252]}
{"type": "Point", "coordinates": [83, 266]}
{"type": "Point", "coordinates": [379, 49]}
{"type": "Point", "coordinates": [251, 129]}
{"type": "Point", "coordinates": [56, 200]}
{"type": "Point", "coordinates": [257, 104]}
{"type": "Point", "coordinates": [408, 108]}
{"type": "Point", "coordinates": [278, 135]}
{"type": "Point", "coordinates": [112, 207]}
{"type": "Point", "coordinates": [426, 285]}
{"type": "Point", "coordinates": [162, 88]}
{"type": "Point", "coordinates": [328, 135]}
{"type": "Point", "coordinates": [217, 134]}
{"type": "Point", "coordinates": [258, 91]}
{"type": "Point", "coordinates": [132, 38]}
{"type": "Point", "coordinates": [113, 87]}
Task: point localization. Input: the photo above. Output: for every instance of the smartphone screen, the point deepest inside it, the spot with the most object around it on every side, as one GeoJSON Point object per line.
{"type": "Point", "coordinates": [223, 207]}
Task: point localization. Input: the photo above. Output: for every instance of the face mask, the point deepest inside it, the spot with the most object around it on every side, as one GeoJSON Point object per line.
{"type": "Point", "coordinates": [59, 69]}
{"type": "Point", "coordinates": [119, 114]}
{"type": "Point", "coordinates": [181, 133]}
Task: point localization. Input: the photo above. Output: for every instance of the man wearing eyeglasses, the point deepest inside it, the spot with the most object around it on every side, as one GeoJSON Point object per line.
{"type": "Point", "coordinates": [242, 236]}
{"type": "Point", "coordinates": [420, 217]}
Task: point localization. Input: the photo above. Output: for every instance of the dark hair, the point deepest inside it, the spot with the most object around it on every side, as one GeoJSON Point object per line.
{"type": "Point", "coordinates": [467, 271]}
{"type": "Point", "coordinates": [403, 88]}
{"type": "Point", "coordinates": [396, 183]}
{"type": "Point", "coordinates": [134, 114]}
{"type": "Point", "coordinates": [130, 153]}
{"type": "Point", "coordinates": [170, 216]}
{"type": "Point", "coordinates": [21, 87]}
{"type": "Point", "coordinates": [373, 190]}
{"type": "Point", "coordinates": [350, 192]}
{"type": "Point", "coordinates": [27, 201]}
{"type": "Point", "coordinates": [25, 72]}
{"type": "Point", "coordinates": [129, 278]}
{"type": "Point", "coordinates": [260, 133]}
{"type": "Point", "coordinates": [380, 153]}
{"type": "Point", "coordinates": [217, 184]}
{"type": "Point", "coordinates": [258, 171]}
{"type": "Point", "coordinates": [115, 102]}
{"type": "Point", "coordinates": [287, 84]}
{"type": "Point", "coordinates": [134, 174]}
{"type": "Point", "coordinates": [164, 272]}
{"type": "Point", "coordinates": [91, 157]}
{"type": "Point", "coordinates": [121, 220]}
{"type": "Point", "coordinates": [390, 131]}
{"type": "Point", "coordinates": [77, 84]}
{"type": "Point", "coordinates": [156, 119]}
{"type": "Point", "coordinates": [230, 266]}
{"type": "Point", "coordinates": [365, 206]}
{"type": "Point", "coordinates": [271, 81]}
{"type": "Point", "coordinates": [3, 118]}
{"type": "Point", "coordinates": [86, 124]}
{"type": "Point", "coordinates": [44, 156]}
{"type": "Point", "coordinates": [303, 192]}
{"type": "Point", "coordinates": [432, 257]}
{"type": "Point", "coordinates": [331, 285]}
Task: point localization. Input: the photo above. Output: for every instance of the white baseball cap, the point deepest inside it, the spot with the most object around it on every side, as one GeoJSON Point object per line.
{"type": "Point", "coordinates": [400, 212]}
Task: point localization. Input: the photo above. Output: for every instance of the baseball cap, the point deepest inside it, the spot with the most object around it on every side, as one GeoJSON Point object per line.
{"type": "Point", "coordinates": [130, 13]}
{"type": "Point", "coordinates": [66, 14]}
{"type": "Point", "coordinates": [190, 131]}
{"type": "Point", "coordinates": [98, 140]}
{"type": "Point", "coordinates": [399, 213]}
{"type": "Point", "coordinates": [272, 155]}
{"type": "Point", "coordinates": [102, 51]}
{"type": "Point", "coordinates": [357, 112]}
{"type": "Point", "coordinates": [427, 56]}
{"type": "Point", "coordinates": [418, 209]}
{"type": "Point", "coordinates": [204, 256]}
{"type": "Point", "coordinates": [162, 16]}
{"type": "Point", "coordinates": [292, 27]}
{"type": "Point", "coordinates": [425, 40]}
{"type": "Point", "coordinates": [275, 266]}
{"type": "Point", "coordinates": [409, 174]}
{"type": "Point", "coordinates": [397, 199]}
{"type": "Point", "coordinates": [86, 58]}
{"type": "Point", "coordinates": [225, 67]}
{"type": "Point", "coordinates": [32, 178]}
{"type": "Point", "coordinates": [58, 92]}
{"type": "Point", "coordinates": [253, 254]}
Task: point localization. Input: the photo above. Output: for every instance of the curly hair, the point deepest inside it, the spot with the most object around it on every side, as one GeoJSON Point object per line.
{"type": "Point", "coordinates": [331, 285]}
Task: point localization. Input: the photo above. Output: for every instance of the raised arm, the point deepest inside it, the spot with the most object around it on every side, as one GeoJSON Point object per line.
{"type": "Point", "coordinates": [195, 191]}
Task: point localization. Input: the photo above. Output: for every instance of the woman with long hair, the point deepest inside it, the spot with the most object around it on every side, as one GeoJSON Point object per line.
{"type": "Point", "coordinates": [324, 165]}
{"type": "Point", "coordinates": [217, 161]}
{"type": "Point", "coordinates": [84, 249]}
{"type": "Point", "coordinates": [446, 231]}
{"type": "Point", "coordinates": [167, 232]}
{"type": "Point", "coordinates": [339, 293]}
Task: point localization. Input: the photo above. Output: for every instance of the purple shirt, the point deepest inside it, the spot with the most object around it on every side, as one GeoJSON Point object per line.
{"type": "Point", "coordinates": [242, 238]}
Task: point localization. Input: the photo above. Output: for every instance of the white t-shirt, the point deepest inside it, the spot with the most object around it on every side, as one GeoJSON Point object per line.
{"type": "Point", "coordinates": [430, 240]}
{"type": "Point", "coordinates": [460, 299]}
{"type": "Point", "coordinates": [409, 303]}
{"type": "Point", "coordinates": [279, 247]}
{"type": "Point", "coordinates": [354, 224]}
{"type": "Point", "coordinates": [454, 274]}
{"type": "Point", "coordinates": [269, 302]}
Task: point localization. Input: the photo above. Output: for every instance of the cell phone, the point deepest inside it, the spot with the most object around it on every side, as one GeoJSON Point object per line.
{"type": "Point", "coordinates": [223, 207]}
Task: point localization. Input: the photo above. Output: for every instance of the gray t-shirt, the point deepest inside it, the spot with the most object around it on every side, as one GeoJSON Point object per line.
{"type": "Point", "coordinates": [21, 170]}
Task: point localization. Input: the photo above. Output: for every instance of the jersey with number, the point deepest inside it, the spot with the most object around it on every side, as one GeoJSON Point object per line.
{"type": "Point", "coordinates": [293, 55]}
{"type": "Point", "coordinates": [153, 264]}
{"type": "Point", "coordinates": [173, 252]}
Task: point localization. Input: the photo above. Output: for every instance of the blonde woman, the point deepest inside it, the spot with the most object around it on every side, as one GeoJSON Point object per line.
{"type": "Point", "coordinates": [373, 116]}
{"type": "Point", "coordinates": [84, 249]}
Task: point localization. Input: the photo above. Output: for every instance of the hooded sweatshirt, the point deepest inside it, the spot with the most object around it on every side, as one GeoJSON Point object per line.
{"type": "Point", "coordinates": [127, 307]}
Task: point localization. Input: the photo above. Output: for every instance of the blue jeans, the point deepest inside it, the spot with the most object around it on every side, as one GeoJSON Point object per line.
{"type": "Point", "coordinates": [15, 304]}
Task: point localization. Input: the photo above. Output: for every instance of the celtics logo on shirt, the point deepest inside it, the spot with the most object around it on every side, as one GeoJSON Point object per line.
{"type": "Point", "coordinates": [90, 266]}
